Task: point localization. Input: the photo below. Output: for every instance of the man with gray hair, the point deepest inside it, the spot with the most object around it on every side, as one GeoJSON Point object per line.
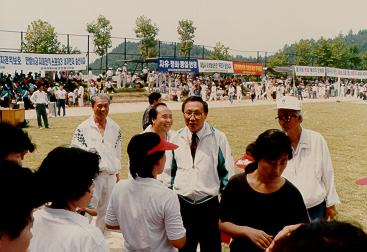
{"type": "Point", "coordinates": [101, 134]}
{"type": "Point", "coordinates": [310, 169]}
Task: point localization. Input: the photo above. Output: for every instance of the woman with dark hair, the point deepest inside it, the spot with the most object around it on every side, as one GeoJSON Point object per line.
{"type": "Point", "coordinates": [323, 236]}
{"type": "Point", "coordinates": [160, 118]}
{"type": "Point", "coordinates": [255, 207]}
{"type": "Point", "coordinates": [17, 204]}
{"type": "Point", "coordinates": [65, 182]}
{"type": "Point", "coordinates": [146, 211]}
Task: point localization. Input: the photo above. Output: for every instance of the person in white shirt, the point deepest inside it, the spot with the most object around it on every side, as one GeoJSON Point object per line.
{"type": "Point", "coordinates": [81, 96]}
{"type": "Point", "coordinates": [239, 91]}
{"type": "Point", "coordinates": [102, 134]}
{"type": "Point", "coordinates": [213, 92]}
{"type": "Point", "coordinates": [39, 98]}
{"type": "Point", "coordinates": [60, 99]}
{"type": "Point", "coordinates": [146, 212]}
{"type": "Point", "coordinates": [230, 92]}
{"type": "Point", "coordinates": [160, 118]}
{"type": "Point", "coordinates": [65, 182]}
{"type": "Point", "coordinates": [311, 169]}
{"type": "Point", "coordinates": [201, 168]}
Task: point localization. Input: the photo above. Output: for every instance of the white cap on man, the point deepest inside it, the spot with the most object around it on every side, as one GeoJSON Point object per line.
{"type": "Point", "coordinates": [289, 102]}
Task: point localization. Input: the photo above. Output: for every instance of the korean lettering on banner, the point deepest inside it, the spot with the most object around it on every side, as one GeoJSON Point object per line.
{"type": "Point", "coordinates": [309, 71]}
{"type": "Point", "coordinates": [346, 73]}
{"type": "Point", "coordinates": [38, 62]}
{"type": "Point", "coordinates": [247, 68]}
{"type": "Point", "coordinates": [215, 66]}
{"type": "Point", "coordinates": [177, 65]}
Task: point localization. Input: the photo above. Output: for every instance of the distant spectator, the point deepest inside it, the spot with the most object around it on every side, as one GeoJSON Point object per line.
{"type": "Point", "coordinates": [39, 98]}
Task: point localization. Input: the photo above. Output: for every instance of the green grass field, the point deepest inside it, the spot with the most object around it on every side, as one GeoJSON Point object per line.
{"type": "Point", "coordinates": [344, 125]}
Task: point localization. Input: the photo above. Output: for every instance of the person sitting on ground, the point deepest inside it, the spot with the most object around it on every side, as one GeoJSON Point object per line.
{"type": "Point", "coordinates": [15, 143]}
{"type": "Point", "coordinates": [65, 182]}
{"type": "Point", "coordinates": [146, 211]}
{"type": "Point", "coordinates": [255, 207]}
{"type": "Point", "coordinates": [322, 236]}
{"type": "Point", "coordinates": [17, 204]}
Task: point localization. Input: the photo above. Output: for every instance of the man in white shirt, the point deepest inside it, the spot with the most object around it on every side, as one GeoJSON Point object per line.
{"type": "Point", "coordinates": [100, 133]}
{"type": "Point", "coordinates": [60, 100]}
{"type": "Point", "coordinates": [39, 98]}
{"type": "Point", "coordinates": [201, 168]}
{"type": "Point", "coordinates": [81, 95]}
{"type": "Point", "coordinates": [310, 169]}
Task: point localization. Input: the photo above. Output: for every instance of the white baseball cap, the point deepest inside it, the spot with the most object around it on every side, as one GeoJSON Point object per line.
{"type": "Point", "coordinates": [289, 102]}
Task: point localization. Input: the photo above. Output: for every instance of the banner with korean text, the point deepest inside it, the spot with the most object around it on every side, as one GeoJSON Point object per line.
{"type": "Point", "coordinates": [42, 62]}
{"type": "Point", "coordinates": [247, 68]}
{"type": "Point", "coordinates": [346, 73]}
{"type": "Point", "coordinates": [177, 65]}
{"type": "Point", "coordinates": [215, 66]}
{"type": "Point", "coordinates": [309, 71]}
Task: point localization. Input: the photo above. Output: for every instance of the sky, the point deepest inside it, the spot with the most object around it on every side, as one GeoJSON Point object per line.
{"type": "Point", "coordinates": [257, 25]}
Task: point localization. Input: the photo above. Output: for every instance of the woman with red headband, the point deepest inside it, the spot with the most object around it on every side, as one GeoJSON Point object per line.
{"type": "Point", "coordinates": [147, 212]}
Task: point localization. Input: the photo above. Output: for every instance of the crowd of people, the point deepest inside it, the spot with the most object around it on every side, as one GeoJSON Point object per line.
{"type": "Point", "coordinates": [18, 88]}
{"type": "Point", "coordinates": [182, 191]}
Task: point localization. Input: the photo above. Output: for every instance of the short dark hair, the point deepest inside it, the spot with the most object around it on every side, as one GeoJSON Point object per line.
{"type": "Point", "coordinates": [155, 96]}
{"type": "Point", "coordinates": [153, 111]}
{"type": "Point", "coordinates": [324, 237]}
{"type": "Point", "coordinates": [142, 164]}
{"type": "Point", "coordinates": [13, 140]}
{"type": "Point", "coordinates": [271, 144]}
{"type": "Point", "coordinates": [66, 174]}
{"type": "Point", "coordinates": [195, 99]}
{"type": "Point", "coordinates": [17, 193]}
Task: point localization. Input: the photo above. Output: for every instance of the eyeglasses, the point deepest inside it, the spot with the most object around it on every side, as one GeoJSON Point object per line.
{"type": "Point", "coordinates": [285, 118]}
{"type": "Point", "coordinates": [197, 115]}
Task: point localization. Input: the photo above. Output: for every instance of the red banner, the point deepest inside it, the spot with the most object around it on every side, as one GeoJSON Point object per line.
{"type": "Point", "coordinates": [247, 68]}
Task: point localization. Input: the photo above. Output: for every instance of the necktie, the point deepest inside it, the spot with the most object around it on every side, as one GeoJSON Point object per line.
{"type": "Point", "coordinates": [194, 144]}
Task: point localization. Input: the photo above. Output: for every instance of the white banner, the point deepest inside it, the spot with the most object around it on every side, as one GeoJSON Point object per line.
{"type": "Point", "coordinates": [42, 62]}
{"type": "Point", "coordinates": [309, 71]}
{"type": "Point", "coordinates": [346, 73]}
{"type": "Point", "coordinates": [215, 66]}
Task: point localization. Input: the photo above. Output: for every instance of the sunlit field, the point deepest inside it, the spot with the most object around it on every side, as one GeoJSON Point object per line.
{"type": "Point", "coordinates": [343, 124]}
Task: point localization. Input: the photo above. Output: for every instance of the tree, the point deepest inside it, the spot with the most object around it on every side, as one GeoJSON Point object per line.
{"type": "Point", "coordinates": [186, 32]}
{"type": "Point", "coordinates": [40, 38]}
{"type": "Point", "coordinates": [324, 53]}
{"type": "Point", "coordinates": [278, 59]}
{"type": "Point", "coordinates": [220, 52]}
{"type": "Point", "coordinates": [354, 58]}
{"type": "Point", "coordinates": [304, 52]}
{"type": "Point", "coordinates": [147, 32]}
{"type": "Point", "coordinates": [101, 30]}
